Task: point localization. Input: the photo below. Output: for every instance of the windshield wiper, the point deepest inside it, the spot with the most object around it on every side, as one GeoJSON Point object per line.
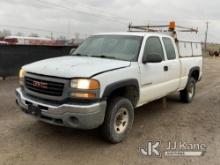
{"type": "Point", "coordinates": [103, 56]}
{"type": "Point", "coordinates": [78, 54]}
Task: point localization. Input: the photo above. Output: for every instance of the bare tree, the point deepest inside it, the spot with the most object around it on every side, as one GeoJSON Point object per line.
{"type": "Point", "coordinates": [34, 35]}
{"type": "Point", "coordinates": [19, 34]}
{"type": "Point", "coordinates": [5, 33]}
{"type": "Point", "coordinates": [77, 35]}
{"type": "Point", "coordinates": [49, 37]}
{"type": "Point", "coordinates": [63, 38]}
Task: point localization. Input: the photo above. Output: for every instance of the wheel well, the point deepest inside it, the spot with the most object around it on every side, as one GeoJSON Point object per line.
{"type": "Point", "coordinates": [130, 92]}
{"type": "Point", "coordinates": [195, 75]}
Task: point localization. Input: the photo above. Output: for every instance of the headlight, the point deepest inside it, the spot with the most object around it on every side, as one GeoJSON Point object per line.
{"type": "Point", "coordinates": [89, 84]}
{"type": "Point", "coordinates": [85, 88]}
{"type": "Point", "coordinates": [22, 73]}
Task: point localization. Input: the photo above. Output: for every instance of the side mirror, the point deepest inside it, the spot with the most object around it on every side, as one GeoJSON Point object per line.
{"type": "Point", "coordinates": [152, 58]}
{"type": "Point", "coordinates": [72, 50]}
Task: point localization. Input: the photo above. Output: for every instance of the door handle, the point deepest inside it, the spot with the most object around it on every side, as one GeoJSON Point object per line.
{"type": "Point", "coordinates": [165, 68]}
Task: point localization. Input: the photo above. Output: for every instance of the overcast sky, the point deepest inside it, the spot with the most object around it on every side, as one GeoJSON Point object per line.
{"type": "Point", "coordinates": [67, 17]}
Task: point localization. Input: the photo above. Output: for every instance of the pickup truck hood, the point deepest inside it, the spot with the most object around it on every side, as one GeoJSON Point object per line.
{"type": "Point", "coordinates": [73, 66]}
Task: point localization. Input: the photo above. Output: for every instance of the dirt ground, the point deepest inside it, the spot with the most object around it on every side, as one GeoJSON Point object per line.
{"type": "Point", "coordinates": [25, 141]}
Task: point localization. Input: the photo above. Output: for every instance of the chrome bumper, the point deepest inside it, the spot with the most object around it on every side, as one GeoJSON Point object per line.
{"type": "Point", "coordinates": [69, 115]}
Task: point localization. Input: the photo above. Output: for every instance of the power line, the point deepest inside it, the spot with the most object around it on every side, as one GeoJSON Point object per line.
{"type": "Point", "coordinates": [101, 10]}
{"type": "Point", "coordinates": [67, 9]}
{"type": "Point", "coordinates": [100, 16]}
{"type": "Point", "coordinates": [29, 28]}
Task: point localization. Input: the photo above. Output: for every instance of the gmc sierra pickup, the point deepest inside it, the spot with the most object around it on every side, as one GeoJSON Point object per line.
{"type": "Point", "coordinates": [106, 78]}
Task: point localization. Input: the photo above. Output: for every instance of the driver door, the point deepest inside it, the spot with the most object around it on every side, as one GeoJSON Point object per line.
{"type": "Point", "coordinates": [153, 74]}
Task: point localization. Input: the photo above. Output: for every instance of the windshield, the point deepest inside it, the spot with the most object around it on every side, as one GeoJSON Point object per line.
{"type": "Point", "coordinates": [121, 47]}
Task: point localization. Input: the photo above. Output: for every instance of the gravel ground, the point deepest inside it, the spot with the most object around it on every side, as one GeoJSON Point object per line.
{"type": "Point", "coordinates": [25, 141]}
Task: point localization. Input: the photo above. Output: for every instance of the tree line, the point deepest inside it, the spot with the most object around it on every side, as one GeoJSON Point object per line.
{"type": "Point", "coordinates": [5, 32]}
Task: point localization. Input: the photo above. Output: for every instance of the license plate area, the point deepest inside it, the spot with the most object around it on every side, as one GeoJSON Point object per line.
{"type": "Point", "coordinates": [34, 110]}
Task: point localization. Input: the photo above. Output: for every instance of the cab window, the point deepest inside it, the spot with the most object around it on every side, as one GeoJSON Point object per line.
{"type": "Point", "coordinates": [170, 51]}
{"type": "Point", "coordinates": [153, 46]}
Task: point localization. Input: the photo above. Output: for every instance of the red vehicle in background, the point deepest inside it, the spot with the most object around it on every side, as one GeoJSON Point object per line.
{"type": "Point", "coordinates": [3, 42]}
{"type": "Point", "coordinates": [18, 40]}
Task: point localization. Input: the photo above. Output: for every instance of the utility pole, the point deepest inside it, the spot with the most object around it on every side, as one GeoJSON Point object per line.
{"type": "Point", "coordinates": [206, 35]}
{"type": "Point", "coordinates": [51, 35]}
{"type": "Point", "coordinates": [69, 29]}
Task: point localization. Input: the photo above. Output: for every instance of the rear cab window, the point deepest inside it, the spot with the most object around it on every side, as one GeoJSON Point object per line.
{"type": "Point", "coordinates": [169, 48]}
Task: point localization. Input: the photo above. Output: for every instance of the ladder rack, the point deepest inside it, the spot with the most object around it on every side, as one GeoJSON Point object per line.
{"type": "Point", "coordinates": [172, 27]}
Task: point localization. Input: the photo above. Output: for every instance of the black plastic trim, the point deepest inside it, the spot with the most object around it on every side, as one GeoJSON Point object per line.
{"type": "Point", "coordinates": [119, 84]}
{"type": "Point", "coordinates": [196, 68]}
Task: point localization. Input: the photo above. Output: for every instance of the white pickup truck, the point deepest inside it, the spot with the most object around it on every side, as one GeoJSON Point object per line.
{"type": "Point", "coordinates": [106, 78]}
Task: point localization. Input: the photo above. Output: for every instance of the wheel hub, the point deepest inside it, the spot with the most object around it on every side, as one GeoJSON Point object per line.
{"type": "Point", "coordinates": [191, 90]}
{"type": "Point", "coordinates": [121, 120]}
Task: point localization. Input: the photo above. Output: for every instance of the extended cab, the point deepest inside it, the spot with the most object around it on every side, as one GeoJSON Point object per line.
{"type": "Point", "coordinates": [106, 78]}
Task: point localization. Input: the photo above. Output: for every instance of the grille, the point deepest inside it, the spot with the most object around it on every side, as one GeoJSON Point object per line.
{"type": "Point", "coordinates": [44, 87]}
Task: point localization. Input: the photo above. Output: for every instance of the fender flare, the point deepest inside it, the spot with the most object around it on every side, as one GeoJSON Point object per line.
{"type": "Point", "coordinates": [196, 68]}
{"type": "Point", "coordinates": [119, 84]}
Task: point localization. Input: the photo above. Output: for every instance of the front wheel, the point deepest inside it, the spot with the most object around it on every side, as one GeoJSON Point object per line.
{"type": "Point", "coordinates": [118, 120]}
{"type": "Point", "coordinates": [188, 93]}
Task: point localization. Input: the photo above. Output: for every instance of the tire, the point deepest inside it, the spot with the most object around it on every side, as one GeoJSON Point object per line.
{"type": "Point", "coordinates": [188, 93]}
{"type": "Point", "coordinates": [118, 120]}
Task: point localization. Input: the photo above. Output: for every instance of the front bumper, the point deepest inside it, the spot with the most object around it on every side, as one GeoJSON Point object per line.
{"type": "Point", "coordinates": [68, 115]}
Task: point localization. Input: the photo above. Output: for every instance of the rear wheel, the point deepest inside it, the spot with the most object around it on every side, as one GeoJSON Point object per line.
{"type": "Point", "coordinates": [188, 93]}
{"type": "Point", "coordinates": [118, 120]}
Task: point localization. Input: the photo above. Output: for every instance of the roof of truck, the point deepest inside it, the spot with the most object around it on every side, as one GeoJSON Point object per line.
{"type": "Point", "coordinates": [181, 36]}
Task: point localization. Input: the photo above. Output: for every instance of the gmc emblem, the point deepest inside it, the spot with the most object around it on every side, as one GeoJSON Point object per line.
{"type": "Point", "coordinates": [39, 84]}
